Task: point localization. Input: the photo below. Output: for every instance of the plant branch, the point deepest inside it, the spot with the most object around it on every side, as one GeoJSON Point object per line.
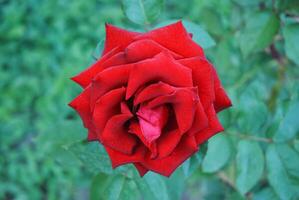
{"type": "Point", "coordinates": [250, 137]}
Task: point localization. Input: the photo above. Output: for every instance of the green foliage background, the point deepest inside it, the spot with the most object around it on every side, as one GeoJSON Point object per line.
{"type": "Point", "coordinates": [254, 45]}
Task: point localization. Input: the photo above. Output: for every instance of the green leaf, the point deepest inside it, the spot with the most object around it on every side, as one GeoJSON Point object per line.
{"type": "Point", "coordinates": [218, 154]}
{"type": "Point", "coordinates": [108, 187]}
{"type": "Point", "coordinates": [259, 32]}
{"type": "Point", "coordinates": [142, 12]}
{"type": "Point", "coordinates": [279, 178]}
{"type": "Point", "coordinates": [175, 184]}
{"type": "Point", "coordinates": [200, 36]}
{"type": "Point", "coordinates": [290, 159]}
{"type": "Point", "coordinates": [98, 50]}
{"type": "Point", "coordinates": [291, 38]}
{"type": "Point", "coordinates": [265, 194]}
{"type": "Point", "coordinates": [289, 126]}
{"type": "Point", "coordinates": [92, 155]}
{"type": "Point", "coordinates": [250, 165]}
{"type": "Point", "coordinates": [152, 187]}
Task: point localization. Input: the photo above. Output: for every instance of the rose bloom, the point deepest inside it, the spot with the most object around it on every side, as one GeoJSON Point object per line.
{"type": "Point", "coordinates": [151, 99]}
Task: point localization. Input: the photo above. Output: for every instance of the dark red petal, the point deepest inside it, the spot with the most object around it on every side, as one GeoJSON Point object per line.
{"type": "Point", "coordinates": [161, 68]}
{"type": "Point", "coordinates": [81, 105]}
{"type": "Point", "coordinates": [117, 59]}
{"type": "Point", "coordinates": [116, 36]}
{"type": "Point", "coordinates": [111, 78]}
{"type": "Point", "coordinates": [92, 136]}
{"type": "Point", "coordinates": [153, 91]}
{"type": "Point", "coordinates": [143, 49]}
{"type": "Point", "coordinates": [202, 72]}
{"type": "Point", "coordinates": [152, 121]}
{"type": "Point", "coordinates": [222, 101]}
{"type": "Point", "coordinates": [175, 38]}
{"type": "Point", "coordinates": [167, 165]}
{"type": "Point", "coordinates": [117, 158]}
{"type": "Point", "coordinates": [184, 102]}
{"type": "Point", "coordinates": [214, 127]}
{"type": "Point", "coordinates": [141, 169]}
{"type": "Point", "coordinates": [116, 136]}
{"type": "Point", "coordinates": [200, 120]}
{"type": "Point", "coordinates": [85, 77]}
{"type": "Point", "coordinates": [168, 142]}
{"type": "Point", "coordinates": [107, 106]}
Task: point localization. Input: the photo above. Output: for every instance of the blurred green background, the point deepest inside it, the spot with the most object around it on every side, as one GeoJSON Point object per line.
{"type": "Point", "coordinates": [254, 45]}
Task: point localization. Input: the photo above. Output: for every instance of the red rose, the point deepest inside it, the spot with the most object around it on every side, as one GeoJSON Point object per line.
{"type": "Point", "coordinates": [151, 99]}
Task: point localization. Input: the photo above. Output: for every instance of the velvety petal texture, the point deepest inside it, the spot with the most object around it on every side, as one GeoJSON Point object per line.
{"type": "Point", "coordinates": [152, 98]}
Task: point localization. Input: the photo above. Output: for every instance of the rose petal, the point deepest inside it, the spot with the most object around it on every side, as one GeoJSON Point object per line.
{"type": "Point", "coordinates": [153, 91]}
{"type": "Point", "coordinates": [175, 38]}
{"type": "Point", "coordinates": [222, 101]}
{"type": "Point", "coordinates": [136, 130]}
{"type": "Point", "coordinates": [116, 36]}
{"type": "Point", "coordinates": [117, 158]}
{"type": "Point", "coordinates": [168, 142]}
{"type": "Point", "coordinates": [152, 121]}
{"type": "Point", "coordinates": [144, 49]}
{"type": "Point", "coordinates": [167, 165]}
{"type": "Point", "coordinates": [81, 105]}
{"type": "Point", "coordinates": [184, 101]}
{"type": "Point", "coordinates": [200, 120]}
{"type": "Point", "coordinates": [116, 136]}
{"type": "Point", "coordinates": [163, 68]}
{"type": "Point", "coordinates": [141, 169]}
{"type": "Point", "coordinates": [214, 127]}
{"type": "Point", "coordinates": [103, 81]}
{"type": "Point", "coordinates": [202, 72]}
{"type": "Point", "coordinates": [84, 78]}
{"type": "Point", "coordinates": [107, 106]}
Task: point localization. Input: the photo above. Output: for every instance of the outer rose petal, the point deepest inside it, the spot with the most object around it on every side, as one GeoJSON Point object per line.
{"type": "Point", "coordinates": [102, 82]}
{"type": "Point", "coordinates": [167, 165]}
{"type": "Point", "coordinates": [175, 38]}
{"type": "Point", "coordinates": [158, 68]}
{"type": "Point", "coordinates": [141, 169]}
{"type": "Point", "coordinates": [202, 73]}
{"type": "Point", "coordinates": [214, 127]}
{"type": "Point", "coordinates": [116, 36]}
{"type": "Point", "coordinates": [200, 120]}
{"type": "Point", "coordinates": [81, 105]}
{"type": "Point", "coordinates": [84, 78]}
{"type": "Point", "coordinates": [117, 158]}
{"type": "Point", "coordinates": [144, 49]}
{"type": "Point", "coordinates": [221, 101]}
{"type": "Point", "coordinates": [107, 106]}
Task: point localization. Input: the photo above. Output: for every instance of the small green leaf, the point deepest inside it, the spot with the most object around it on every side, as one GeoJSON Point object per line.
{"type": "Point", "coordinates": [291, 37]}
{"type": "Point", "coordinates": [142, 12]}
{"type": "Point", "coordinates": [279, 178]}
{"type": "Point", "coordinates": [250, 165]}
{"type": "Point", "coordinates": [289, 126]}
{"type": "Point", "coordinates": [265, 194]}
{"type": "Point", "coordinates": [290, 159]}
{"type": "Point", "coordinates": [98, 51]}
{"type": "Point", "coordinates": [200, 36]}
{"type": "Point", "coordinates": [218, 154]}
{"type": "Point", "coordinates": [92, 155]}
{"type": "Point", "coordinates": [107, 187]}
{"type": "Point", "coordinates": [152, 187]}
{"type": "Point", "coordinates": [259, 32]}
